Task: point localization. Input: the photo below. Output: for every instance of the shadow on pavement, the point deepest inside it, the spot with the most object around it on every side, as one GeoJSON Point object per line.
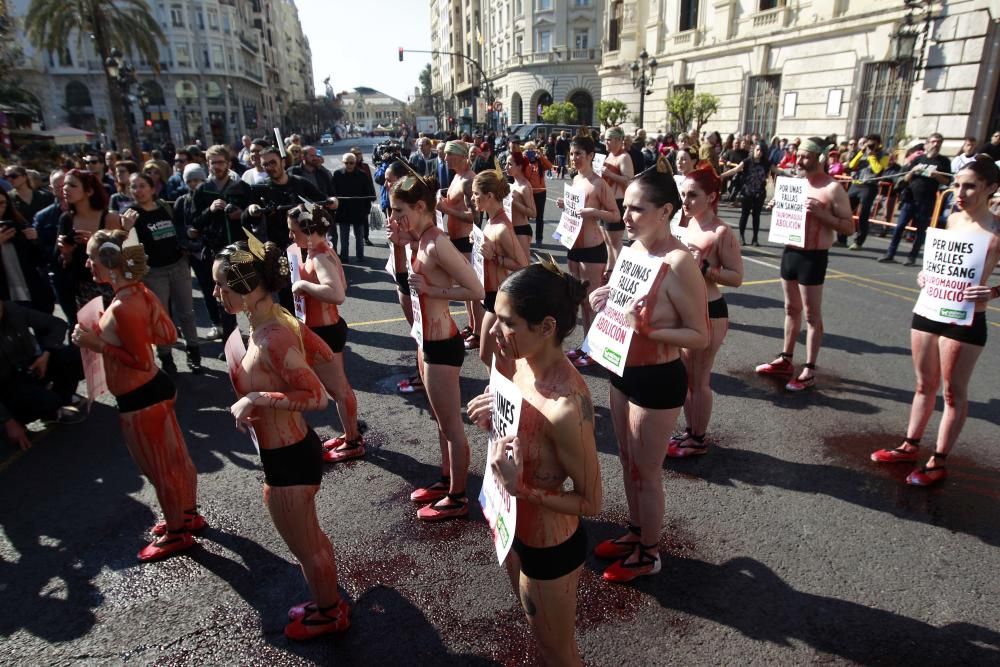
{"type": "Point", "coordinates": [830, 340]}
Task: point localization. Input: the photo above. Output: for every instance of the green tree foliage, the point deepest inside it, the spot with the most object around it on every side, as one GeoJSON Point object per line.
{"type": "Point", "coordinates": [612, 112]}
{"type": "Point", "coordinates": [562, 113]}
{"type": "Point", "coordinates": [689, 111]}
{"type": "Point", "coordinates": [127, 25]}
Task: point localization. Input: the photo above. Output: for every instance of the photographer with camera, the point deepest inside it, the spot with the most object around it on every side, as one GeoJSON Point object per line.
{"type": "Point", "coordinates": [33, 357]}
{"type": "Point", "coordinates": [22, 276]}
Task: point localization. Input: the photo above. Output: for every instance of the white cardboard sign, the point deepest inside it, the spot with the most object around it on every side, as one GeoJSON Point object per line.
{"type": "Point", "coordinates": [788, 217]}
{"type": "Point", "coordinates": [499, 508]}
{"type": "Point", "coordinates": [235, 351]}
{"type": "Point", "coordinates": [570, 222]}
{"type": "Point", "coordinates": [417, 330]}
{"type": "Point", "coordinates": [598, 163]}
{"type": "Point", "coordinates": [294, 254]}
{"type": "Point", "coordinates": [952, 262]}
{"type": "Point", "coordinates": [89, 318]}
{"type": "Point", "coordinates": [477, 238]}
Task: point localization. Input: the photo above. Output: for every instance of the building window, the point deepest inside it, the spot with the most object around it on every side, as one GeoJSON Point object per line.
{"type": "Point", "coordinates": [177, 16]}
{"type": "Point", "coordinates": [543, 43]}
{"type": "Point", "coordinates": [217, 58]}
{"type": "Point", "coordinates": [581, 3]}
{"type": "Point", "coordinates": [764, 5]}
{"type": "Point", "coordinates": [762, 105]}
{"type": "Point", "coordinates": [884, 99]}
{"type": "Point", "coordinates": [615, 25]}
{"type": "Point", "coordinates": [213, 19]}
{"type": "Point", "coordinates": [518, 44]}
{"type": "Point", "coordinates": [518, 8]}
{"type": "Point", "coordinates": [689, 15]}
{"type": "Point", "coordinates": [542, 5]}
{"type": "Point", "coordinates": [182, 55]}
{"type": "Point", "coordinates": [225, 24]}
{"type": "Point", "coordinates": [581, 38]}
{"type": "Point", "coordinates": [208, 61]}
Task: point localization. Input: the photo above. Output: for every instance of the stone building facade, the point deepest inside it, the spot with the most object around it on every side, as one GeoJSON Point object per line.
{"type": "Point", "coordinates": [366, 108]}
{"type": "Point", "coordinates": [532, 53]}
{"type": "Point", "coordinates": [903, 68]}
{"type": "Point", "coordinates": [229, 67]}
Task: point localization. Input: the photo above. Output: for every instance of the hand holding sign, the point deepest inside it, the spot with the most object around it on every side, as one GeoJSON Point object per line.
{"type": "Point", "coordinates": [499, 502]}
{"type": "Point", "coordinates": [506, 462]}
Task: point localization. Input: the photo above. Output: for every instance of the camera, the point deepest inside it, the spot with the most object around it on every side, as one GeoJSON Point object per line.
{"type": "Point", "coordinates": [387, 151]}
{"type": "Point", "coordinates": [230, 209]}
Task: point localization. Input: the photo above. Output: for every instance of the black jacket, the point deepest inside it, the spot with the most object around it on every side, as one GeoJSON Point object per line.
{"type": "Point", "coordinates": [215, 229]}
{"type": "Point", "coordinates": [31, 257]}
{"type": "Point", "coordinates": [324, 179]}
{"type": "Point", "coordinates": [19, 347]}
{"type": "Point", "coordinates": [277, 200]}
{"type": "Point", "coordinates": [354, 184]}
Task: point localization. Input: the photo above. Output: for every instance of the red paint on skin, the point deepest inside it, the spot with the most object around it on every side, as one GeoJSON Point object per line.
{"type": "Point", "coordinates": [320, 313]}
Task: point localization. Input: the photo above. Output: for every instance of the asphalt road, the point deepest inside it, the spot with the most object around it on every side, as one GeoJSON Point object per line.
{"type": "Point", "coordinates": [784, 545]}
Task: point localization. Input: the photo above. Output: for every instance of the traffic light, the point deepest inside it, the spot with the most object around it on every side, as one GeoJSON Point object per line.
{"type": "Point", "coordinates": [149, 122]}
{"type": "Point", "coordinates": [401, 54]}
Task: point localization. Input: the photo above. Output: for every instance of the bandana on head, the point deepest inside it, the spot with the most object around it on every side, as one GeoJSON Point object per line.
{"type": "Point", "coordinates": [811, 146]}
{"type": "Point", "coordinates": [457, 148]}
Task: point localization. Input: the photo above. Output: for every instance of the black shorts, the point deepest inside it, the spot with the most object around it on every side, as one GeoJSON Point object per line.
{"type": "Point", "coordinates": [403, 282]}
{"type": "Point", "coordinates": [159, 388]}
{"type": "Point", "coordinates": [616, 226]}
{"type": "Point", "coordinates": [597, 254]}
{"type": "Point", "coordinates": [547, 563]}
{"type": "Point", "coordinates": [447, 352]}
{"type": "Point", "coordinates": [807, 267]}
{"type": "Point", "coordinates": [718, 309]}
{"type": "Point", "coordinates": [463, 245]}
{"type": "Point", "coordinates": [300, 464]}
{"type": "Point", "coordinates": [490, 302]}
{"type": "Point", "coordinates": [334, 335]}
{"type": "Point", "coordinates": [973, 334]}
{"type": "Point", "coordinates": [656, 387]}
{"type": "Point", "coordinates": [523, 230]}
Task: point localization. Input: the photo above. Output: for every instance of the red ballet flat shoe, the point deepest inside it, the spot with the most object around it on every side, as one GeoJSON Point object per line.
{"type": "Point", "coordinates": [193, 523]}
{"type": "Point", "coordinates": [341, 450]}
{"type": "Point", "coordinates": [432, 493]}
{"type": "Point", "coordinates": [302, 609]}
{"type": "Point", "coordinates": [618, 547]}
{"type": "Point", "coordinates": [583, 360]}
{"type": "Point", "coordinates": [410, 385]}
{"type": "Point", "coordinates": [928, 475]}
{"type": "Point", "coordinates": [690, 446]}
{"type": "Point", "coordinates": [320, 622]}
{"type": "Point", "coordinates": [456, 507]}
{"type": "Point", "coordinates": [622, 572]}
{"type": "Point", "coordinates": [172, 543]}
{"type": "Point", "coordinates": [782, 368]}
{"type": "Point", "coordinates": [900, 454]}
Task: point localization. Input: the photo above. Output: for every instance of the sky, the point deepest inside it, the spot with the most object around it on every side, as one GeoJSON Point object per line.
{"type": "Point", "coordinates": [356, 43]}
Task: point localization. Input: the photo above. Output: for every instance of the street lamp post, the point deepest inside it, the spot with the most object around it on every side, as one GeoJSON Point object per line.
{"type": "Point", "coordinates": [122, 72]}
{"type": "Point", "coordinates": [643, 71]}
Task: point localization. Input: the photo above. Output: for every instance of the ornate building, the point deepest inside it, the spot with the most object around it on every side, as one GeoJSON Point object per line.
{"type": "Point", "coordinates": [903, 68]}
{"type": "Point", "coordinates": [365, 109]}
{"type": "Point", "coordinates": [532, 53]}
{"type": "Point", "coordinates": [229, 67]}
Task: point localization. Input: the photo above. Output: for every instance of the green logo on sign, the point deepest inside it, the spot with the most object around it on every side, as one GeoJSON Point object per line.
{"type": "Point", "coordinates": [794, 237]}
{"type": "Point", "coordinates": [953, 314]}
{"type": "Point", "coordinates": [612, 357]}
{"type": "Point", "coordinates": [502, 531]}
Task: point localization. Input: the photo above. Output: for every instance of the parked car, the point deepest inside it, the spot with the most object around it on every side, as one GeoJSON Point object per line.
{"type": "Point", "coordinates": [326, 139]}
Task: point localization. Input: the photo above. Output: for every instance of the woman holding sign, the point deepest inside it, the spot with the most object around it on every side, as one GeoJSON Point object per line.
{"type": "Point", "coordinates": [132, 324]}
{"type": "Point", "coordinates": [522, 208]}
{"type": "Point", "coordinates": [502, 253]}
{"type": "Point", "coordinates": [276, 385]}
{"type": "Point", "coordinates": [437, 267]}
{"type": "Point", "coordinates": [323, 286]}
{"type": "Point", "coordinates": [536, 309]}
{"type": "Point", "coordinates": [588, 258]}
{"type": "Point", "coordinates": [948, 351]}
{"type": "Point", "coordinates": [647, 398]}
{"type": "Point", "coordinates": [717, 253]}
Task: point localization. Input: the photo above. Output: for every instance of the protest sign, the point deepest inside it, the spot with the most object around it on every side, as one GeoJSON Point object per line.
{"type": "Point", "coordinates": [477, 238]}
{"type": "Point", "coordinates": [439, 216]}
{"type": "Point", "coordinates": [610, 334]}
{"type": "Point", "coordinates": [788, 217]}
{"type": "Point", "coordinates": [499, 508]}
{"type": "Point", "coordinates": [89, 318]}
{"type": "Point", "coordinates": [508, 205]}
{"type": "Point", "coordinates": [598, 163]}
{"type": "Point", "coordinates": [675, 221]}
{"type": "Point", "coordinates": [570, 223]}
{"type": "Point", "coordinates": [952, 262]}
{"type": "Point", "coordinates": [294, 254]}
{"type": "Point", "coordinates": [235, 351]}
{"type": "Point", "coordinates": [417, 330]}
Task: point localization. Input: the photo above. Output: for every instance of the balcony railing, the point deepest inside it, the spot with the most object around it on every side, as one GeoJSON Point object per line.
{"type": "Point", "coordinates": [687, 39]}
{"type": "Point", "coordinates": [248, 44]}
{"type": "Point", "coordinates": [768, 20]}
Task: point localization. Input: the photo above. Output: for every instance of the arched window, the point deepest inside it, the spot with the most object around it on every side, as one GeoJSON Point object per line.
{"type": "Point", "coordinates": [584, 104]}
{"type": "Point", "coordinates": [516, 109]}
{"type": "Point", "coordinates": [77, 96]}
{"type": "Point", "coordinates": [543, 99]}
{"type": "Point", "coordinates": [186, 91]}
{"type": "Point", "coordinates": [154, 93]}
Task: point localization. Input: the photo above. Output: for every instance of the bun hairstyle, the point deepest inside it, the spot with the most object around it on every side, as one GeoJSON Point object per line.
{"type": "Point", "coordinates": [543, 290]}
{"type": "Point", "coordinates": [658, 185]}
{"type": "Point", "coordinates": [250, 264]}
{"type": "Point", "coordinates": [414, 188]}
{"type": "Point", "coordinates": [315, 222]}
{"type": "Point", "coordinates": [585, 143]}
{"type": "Point", "coordinates": [488, 182]}
{"type": "Point", "coordinates": [985, 168]}
{"type": "Point", "coordinates": [709, 183]}
{"type": "Point", "coordinates": [119, 250]}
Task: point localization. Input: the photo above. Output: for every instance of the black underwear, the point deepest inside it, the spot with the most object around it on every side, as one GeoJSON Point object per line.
{"type": "Point", "coordinates": [597, 254]}
{"type": "Point", "coordinates": [523, 230]}
{"type": "Point", "coordinates": [718, 310]}
{"type": "Point", "coordinates": [656, 387]}
{"type": "Point", "coordinates": [490, 302]}
{"type": "Point", "coordinates": [403, 282]}
{"type": "Point", "coordinates": [973, 334]}
{"type": "Point", "coordinates": [547, 563]}
{"type": "Point", "coordinates": [334, 335]}
{"type": "Point", "coordinates": [463, 245]}
{"type": "Point", "coordinates": [447, 352]}
{"type": "Point", "coordinates": [300, 464]}
{"type": "Point", "coordinates": [159, 388]}
{"type": "Point", "coordinates": [807, 267]}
